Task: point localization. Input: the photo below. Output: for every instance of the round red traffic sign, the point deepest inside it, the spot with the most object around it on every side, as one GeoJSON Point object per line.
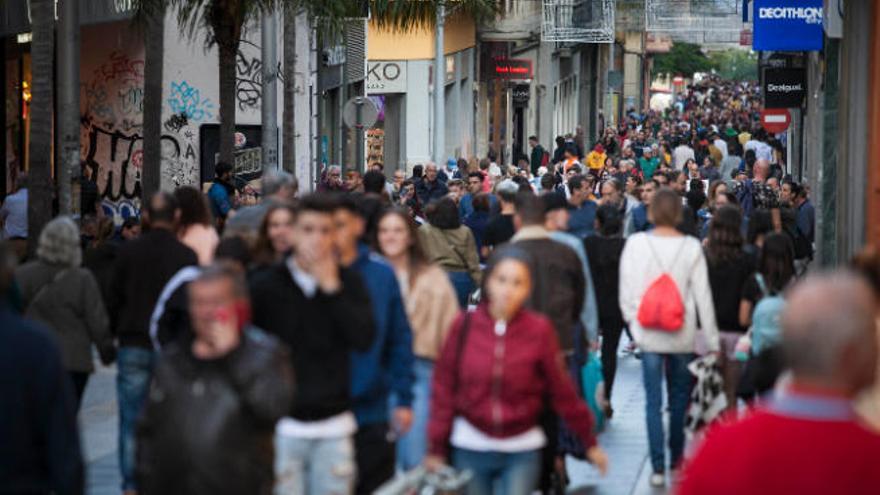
{"type": "Point", "coordinates": [775, 120]}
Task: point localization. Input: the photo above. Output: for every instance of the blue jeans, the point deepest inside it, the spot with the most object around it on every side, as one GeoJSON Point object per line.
{"type": "Point", "coordinates": [463, 285]}
{"type": "Point", "coordinates": [304, 466]}
{"type": "Point", "coordinates": [134, 370]}
{"type": "Point", "coordinates": [678, 389]}
{"type": "Point", "coordinates": [412, 446]}
{"type": "Point", "coordinates": [499, 473]}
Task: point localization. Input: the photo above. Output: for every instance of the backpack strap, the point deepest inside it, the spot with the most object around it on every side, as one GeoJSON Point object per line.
{"type": "Point", "coordinates": [762, 284]}
{"type": "Point", "coordinates": [462, 340]}
{"type": "Point", "coordinates": [657, 258]}
{"type": "Point", "coordinates": [40, 293]}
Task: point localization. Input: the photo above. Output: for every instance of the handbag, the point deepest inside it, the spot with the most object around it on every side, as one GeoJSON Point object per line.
{"type": "Point", "coordinates": [594, 390]}
{"type": "Point", "coordinates": [420, 481]}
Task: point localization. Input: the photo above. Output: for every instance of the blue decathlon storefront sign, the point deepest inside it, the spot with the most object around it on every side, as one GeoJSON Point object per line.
{"type": "Point", "coordinates": [788, 25]}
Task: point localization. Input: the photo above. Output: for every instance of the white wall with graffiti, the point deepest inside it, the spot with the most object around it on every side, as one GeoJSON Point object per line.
{"type": "Point", "coordinates": [111, 102]}
{"type": "Point", "coordinates": [112, 79]}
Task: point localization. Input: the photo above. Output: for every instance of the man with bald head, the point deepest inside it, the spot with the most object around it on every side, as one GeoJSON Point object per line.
{"type": "Point", "coordinates": [807, 438]}
{"type": "Point", "coordinates": [756, 193]}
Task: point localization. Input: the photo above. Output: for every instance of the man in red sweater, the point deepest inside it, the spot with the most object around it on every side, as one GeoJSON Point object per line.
{"type": "Point", "coordinates": [807, 439]}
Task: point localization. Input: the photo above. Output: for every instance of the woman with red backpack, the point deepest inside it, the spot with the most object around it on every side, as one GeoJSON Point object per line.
{"type": "Point", "coordinates": [664, 286]}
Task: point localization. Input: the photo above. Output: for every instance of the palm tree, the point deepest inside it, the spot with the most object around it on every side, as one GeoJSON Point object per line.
{"type": "Point", "coordinates": [222, 22]}
{"type": "Point", "coordinates": [153, 27]}
{"type": "Point", "coordinates": [288, 131]}
{"type": "Point", "coordinates": [40, 187]}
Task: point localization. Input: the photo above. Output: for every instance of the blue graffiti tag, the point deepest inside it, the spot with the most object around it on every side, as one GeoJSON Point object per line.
{"type": "Point", "coordinates": [188, 100]}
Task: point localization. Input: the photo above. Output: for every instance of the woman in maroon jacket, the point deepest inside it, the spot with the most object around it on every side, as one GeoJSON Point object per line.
{"type": "Point", "coordinates": [498, 364]}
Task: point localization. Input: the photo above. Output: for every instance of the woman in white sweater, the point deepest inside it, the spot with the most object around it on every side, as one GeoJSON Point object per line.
{"type": "Point", "coordinates": [646, 257]}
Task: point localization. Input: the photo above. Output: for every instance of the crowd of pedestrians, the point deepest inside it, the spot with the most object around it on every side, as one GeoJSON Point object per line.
{"type": "Point", "coordinates": [323, 343]}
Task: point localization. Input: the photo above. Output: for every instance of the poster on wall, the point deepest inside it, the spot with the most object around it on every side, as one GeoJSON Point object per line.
{"type": "Point", "coordinates": [375, 137]}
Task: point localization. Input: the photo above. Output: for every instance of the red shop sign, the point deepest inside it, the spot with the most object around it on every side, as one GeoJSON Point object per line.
{"type": "Point", "coordinates": [512, 68]}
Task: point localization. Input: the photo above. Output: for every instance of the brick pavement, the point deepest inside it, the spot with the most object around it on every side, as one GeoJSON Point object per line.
{"type": "Point", "coordinates": [624, 439]}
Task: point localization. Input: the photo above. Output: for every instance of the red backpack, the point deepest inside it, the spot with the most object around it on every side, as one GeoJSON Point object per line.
{"type": "Point", "coordinates": [662, 307]}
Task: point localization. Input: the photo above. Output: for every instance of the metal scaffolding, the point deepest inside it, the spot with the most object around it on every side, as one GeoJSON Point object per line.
{"type": "Point", "coordinates": [578, 21]}
{"type": "Point", "coordinates": [699, 21]}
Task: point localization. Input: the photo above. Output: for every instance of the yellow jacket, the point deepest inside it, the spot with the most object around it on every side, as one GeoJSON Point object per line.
{"type": "Point", "coordinates": [596, 160]}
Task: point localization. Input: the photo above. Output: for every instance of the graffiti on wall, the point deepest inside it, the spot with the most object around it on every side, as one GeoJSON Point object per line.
{"type": "Point", "coordinates": [187, 100]}
{"type": "Point", "coordinates": [112, 133]}
{"type": "Point", "coordinates": [114, 93]}
{"type": "Point", "coordinates": [116, 160]}
{"type": "Point", "coordinates": [249, 76]}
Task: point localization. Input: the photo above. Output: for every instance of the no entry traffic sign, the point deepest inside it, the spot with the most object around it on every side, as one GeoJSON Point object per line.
{"type": "Point", "coordinates": [775, 120]}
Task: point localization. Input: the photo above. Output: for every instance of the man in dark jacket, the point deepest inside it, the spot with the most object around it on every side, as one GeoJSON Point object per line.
{"type": "Point", "coordinates": [430, 188]}
{"type": "Point", "coordinates": [536, 159]}
{"type": "Point", "coordinates": [559, 285]}
{"type": "Point", "coordinates": [142, 269]}
{"type": "Point", "coordinates": [322, 312]}
{"type": "Point", "coordinates": [39, 442]}
{"type": "Point", "coordinates": [208, 424]}
{"type": "Point", "coordinates": [387, 366]}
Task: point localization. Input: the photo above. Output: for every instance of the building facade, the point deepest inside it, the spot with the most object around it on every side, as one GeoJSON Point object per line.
{"type": "Point", "coordinates": [400, 83]}
{"type": "Point", "coordinates": [112, 99]}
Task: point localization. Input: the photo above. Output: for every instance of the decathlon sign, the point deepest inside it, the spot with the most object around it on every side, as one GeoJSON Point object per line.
{"type": "Point", "coordinates": [788, 25]}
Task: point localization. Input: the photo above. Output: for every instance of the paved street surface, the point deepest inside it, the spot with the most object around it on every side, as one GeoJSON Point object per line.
{"type": "Point", "coordinates": [624, 438]}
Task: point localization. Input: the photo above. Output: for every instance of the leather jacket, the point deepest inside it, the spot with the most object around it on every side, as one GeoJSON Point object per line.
{"type": "Point", "coordinates": [207, 426]}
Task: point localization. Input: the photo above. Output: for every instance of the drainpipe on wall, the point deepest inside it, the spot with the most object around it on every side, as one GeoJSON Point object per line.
{"type": "Point", "coordinates": [439, 89]}
{"type": "Point", "coordinates": [269, 49]}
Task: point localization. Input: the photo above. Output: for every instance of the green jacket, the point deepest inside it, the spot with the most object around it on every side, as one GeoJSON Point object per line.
{"type": "Point", "coordinates": [649, 166]}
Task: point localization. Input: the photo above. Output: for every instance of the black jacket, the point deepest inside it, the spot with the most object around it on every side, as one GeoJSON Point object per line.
{"type": "Point", "coordinates": [101, 260]}
{"type": "Point", "coordinates": [558, 285]}
{"type": "Point", "coordinates": [430, 191]}
{"type": "Point", "coordinates": [142, 269]}
{"type": "Point", "coordinates": [207, 426]}
{"type": "Point", "coordinates": [604, 255]}
{"type": "Point", "coordinates": [536, 158]}
{"type": "Point", "coordinates": [321, 333]}
{"type": "Point", "coordinates": [39, 441]}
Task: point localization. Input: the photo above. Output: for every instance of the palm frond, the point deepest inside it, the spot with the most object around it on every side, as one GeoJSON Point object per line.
{"type": "Point", "coordinates": [407, 15]}
{"type": "Point", "coordinates": [195, 15]}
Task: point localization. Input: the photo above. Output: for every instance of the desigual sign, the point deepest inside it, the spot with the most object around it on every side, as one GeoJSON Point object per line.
{"type": "Point", "coordinates": [386, 77]}
{"type": "Point", "coordinates": [784, 88]}
{"type": "Point", "coordinates": [788, 25]}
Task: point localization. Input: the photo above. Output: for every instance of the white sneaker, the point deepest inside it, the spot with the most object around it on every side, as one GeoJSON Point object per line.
{"type": "Point", "coordinates": [658, 480]}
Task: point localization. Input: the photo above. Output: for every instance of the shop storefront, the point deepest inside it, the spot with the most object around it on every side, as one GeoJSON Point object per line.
{"type": "Point", "coordinates": [15, 73]}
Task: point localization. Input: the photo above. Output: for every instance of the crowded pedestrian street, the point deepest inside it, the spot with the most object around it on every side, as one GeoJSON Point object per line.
{"type": "Point", "coordinates": [413, 247]}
